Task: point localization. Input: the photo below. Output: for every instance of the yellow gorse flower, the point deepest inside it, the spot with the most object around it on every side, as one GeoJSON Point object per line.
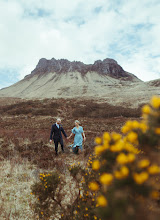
{"type": "Point", "coordinates": [140, 178]}
{"type": "Point", "coordinates": [106, 178]}
{"type": "Point", "coordinates": [116, 136]}
{"type": "Point", "coordinates": [102, 201]}
{"type": "Point", "coordinates": [98, 140]}
{"type": "Point", "coordinates": [93, 186]}
{"type": "Point", "coordinates": [143, 163]}
{"type": "Point", "coordinates": [154, 169]}
{"type": "Point", "coordinates": [131, 157]}
{"type": "Point", "coordinates": [106, 136]}
{"type": "Point", "coordinates": [96, 165]}
{"type": "Point", "coordinates": [146, 109]}
{"type": "Point", "coordinates": [130, 148]}
{"type": "Point", "coordinates": [127, 127]}
{"type": "Point", "coordinates": [123, 173]}
{"type": "Point", "coordinates": [122, 158]}
{"type": "Point", "coordinates": [118, 146]}
{"type": "Point", "coordinates": [155, 102]}
{"type": "Point", "coordinates": [132, 137]}
{"type": "Point", "coordinates": [100, 148]}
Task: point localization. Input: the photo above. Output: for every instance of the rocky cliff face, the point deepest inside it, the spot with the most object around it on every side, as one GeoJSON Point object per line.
{"type": "Point", "coordinates": [106, 67]}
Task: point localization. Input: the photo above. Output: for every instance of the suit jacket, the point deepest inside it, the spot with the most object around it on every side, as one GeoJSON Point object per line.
{"type": "Point", "coordinates": [56, 133]}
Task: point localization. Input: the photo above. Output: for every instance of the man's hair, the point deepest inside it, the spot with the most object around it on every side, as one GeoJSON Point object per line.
{"type": "Point", "coordinates": [58, 119]}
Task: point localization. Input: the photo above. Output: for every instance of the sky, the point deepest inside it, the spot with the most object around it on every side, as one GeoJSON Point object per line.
{"type": "Point", "coordinates": [82, 30]}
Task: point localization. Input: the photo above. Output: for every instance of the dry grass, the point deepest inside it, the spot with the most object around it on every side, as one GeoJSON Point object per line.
{"type": "Point", "coordinates": [16, 177]}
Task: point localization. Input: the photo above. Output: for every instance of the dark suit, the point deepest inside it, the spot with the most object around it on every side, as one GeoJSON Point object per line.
{"type": "Point", "coordinates": [56, 135]}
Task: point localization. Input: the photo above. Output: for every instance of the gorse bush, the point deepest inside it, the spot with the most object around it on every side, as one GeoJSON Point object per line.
{"type": "Point", "coordinates": [119, 182]}
{"type": "Point", "coordinates": [46, 194]}
{"type": "Point", "coordinates": [148, 130]}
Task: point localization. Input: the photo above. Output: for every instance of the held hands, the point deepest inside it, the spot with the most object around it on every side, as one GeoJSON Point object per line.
{"type": "Point", "coordinates": [67, 138]}
{"type": "Point", "coordinates": [50, 141]}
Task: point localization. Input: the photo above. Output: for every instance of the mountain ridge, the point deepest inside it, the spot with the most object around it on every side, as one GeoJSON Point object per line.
{"type": "Point", "coordinates": [106, 67]}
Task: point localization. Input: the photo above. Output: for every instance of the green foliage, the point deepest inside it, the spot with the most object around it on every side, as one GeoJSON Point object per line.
{"type": "Point", "coordinates": [45, 191]}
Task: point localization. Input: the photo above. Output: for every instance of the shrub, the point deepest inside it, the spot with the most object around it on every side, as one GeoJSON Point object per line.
{"type": "Point", "coordinates": [45, 192]}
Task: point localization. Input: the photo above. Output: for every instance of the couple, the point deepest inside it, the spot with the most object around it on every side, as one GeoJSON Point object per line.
{"type": "Point", "coordinates": [56, 135]}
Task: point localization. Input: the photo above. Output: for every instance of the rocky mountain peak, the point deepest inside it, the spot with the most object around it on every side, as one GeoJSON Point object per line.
{"type": "Point", "coordinates": [106, 67]}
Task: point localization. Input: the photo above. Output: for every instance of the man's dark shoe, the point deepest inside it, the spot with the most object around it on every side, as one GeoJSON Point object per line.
{"type": "Point", "coordinates": [56, 154]}
{"type": "Point", "coordinates": [62, 151]}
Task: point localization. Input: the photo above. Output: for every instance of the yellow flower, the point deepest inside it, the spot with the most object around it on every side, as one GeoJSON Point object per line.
{"type": "Point", "coordinates": [143, 127]}
{"type": "Point", "coordinates": [106, 178]}
{"type": "Point", "coordinates": [124, 171]}
{"type": "Point", "coordinates": [130, 148]}
{"type": "Point", "coordinates": [122, 158]}
{"type": "Point", "coordinates": [146, 109]}
{"type": "Point", "coordinates": [143, 163]}
{"type": "Point", "coordinates": [86, 209]}
{"type": "Point", "coordinates": [155, 102]}
{"type": "Point", "coordinates": [99, 149]}
{"type": "Point", "coordinates": [106, 136]}
{"type": "Point", "coordinates": [132, 137]}
{"type": "Point", "coordinates": [95, 217]}
{"type": "Point", "coordinates": [125, 129]}
{"type": "Point", "coordinates": [154, 169]}
{"type": "Point", "coordinates": [98, 140]}
{"type": "Point", "coordinates": [102, 201]}
{"type": "Point", "coordinates": [41, 213]}
{"type": "Point", "coordinates": [140, 178]}
{"type": "Point", "coordinates": [135, 124]}
{"type": "Point", "coordinates": [118, 146]}
{"type": "Point", "coordinates": [157, 131]}
{"type": "Point", "coordinates": [96, 165]}
{"type": "Point", "coordinates": [131, 157]}
{"type": "Point", "coordinates": [93, 186]}
{"type": "Point", "coordinates": [116, 136]}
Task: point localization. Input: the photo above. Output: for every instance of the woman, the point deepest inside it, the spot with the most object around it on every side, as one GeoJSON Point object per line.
{"type": "Point", "coordinates": [78, 138]}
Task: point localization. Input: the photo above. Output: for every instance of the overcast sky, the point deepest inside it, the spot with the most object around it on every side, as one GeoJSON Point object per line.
{"type": "Point", "coordinates": [83, 30]}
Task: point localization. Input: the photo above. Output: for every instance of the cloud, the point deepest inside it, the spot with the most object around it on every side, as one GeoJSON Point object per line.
{"type": "Point", "coordinates": [85, 30]}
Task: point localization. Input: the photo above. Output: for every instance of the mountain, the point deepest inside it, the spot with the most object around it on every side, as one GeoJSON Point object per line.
{"type": "Point", "coordinates": [64, 79]}
{"type": "Point", "coordinates": [106, 67]}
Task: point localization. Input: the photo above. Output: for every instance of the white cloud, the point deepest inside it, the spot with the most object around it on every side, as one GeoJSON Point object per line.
{"type": "Point", "coordinates": [84, 30]}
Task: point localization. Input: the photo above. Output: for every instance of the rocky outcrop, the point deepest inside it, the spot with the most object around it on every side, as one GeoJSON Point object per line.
{"type": "Point", "coordinates": [106, 67]}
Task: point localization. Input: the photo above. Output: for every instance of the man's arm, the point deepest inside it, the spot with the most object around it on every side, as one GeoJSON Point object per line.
{"type": "Point", "coordinates": [51, 134]}
{"type": "Point", "coordinates": [63, 132]}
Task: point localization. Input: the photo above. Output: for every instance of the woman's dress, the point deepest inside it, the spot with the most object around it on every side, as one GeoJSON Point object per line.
{"type": "Point", "coordinates": [78, 139]}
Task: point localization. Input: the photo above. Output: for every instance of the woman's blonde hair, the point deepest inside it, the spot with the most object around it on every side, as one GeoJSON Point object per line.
{"type": "Point", "coordinates": [78, 122]}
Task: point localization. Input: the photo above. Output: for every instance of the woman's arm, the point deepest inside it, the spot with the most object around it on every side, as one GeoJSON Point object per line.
{"type": "Point", "coordinates": [70, 136]}
{"type": "Point", "coordinates": [84, 137]}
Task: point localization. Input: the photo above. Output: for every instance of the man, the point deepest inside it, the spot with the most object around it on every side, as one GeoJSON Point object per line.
{"type": "Point", "coordinates": [56, 135]}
